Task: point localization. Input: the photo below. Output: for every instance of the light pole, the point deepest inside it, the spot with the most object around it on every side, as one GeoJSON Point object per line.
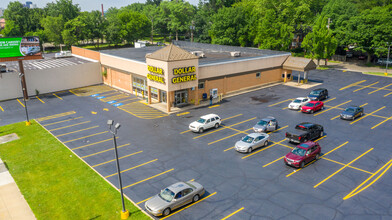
{"type": "Point", "coordinates": [24, 100]}
{"type": "Point", "coordinates": [124, 212]}
{"type": "Point", "coordinates": [386, 67]}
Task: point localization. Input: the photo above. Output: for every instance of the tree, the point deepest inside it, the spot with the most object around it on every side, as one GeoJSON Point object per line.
{"type": "Point", "coordinates": [113, 29]}
{"type": "Point", "coordinates": [11, 29]}
{"type": "Point", "coordinates": [134, 25]}
{"type": "Point", "coordinates": [151, 12]}
{"type": "Point", "coordinates": [74, 31]}
{"type": "Point", "coordinates": [53, 27]}
{"type": "Point", "coordinates": [65, 8]}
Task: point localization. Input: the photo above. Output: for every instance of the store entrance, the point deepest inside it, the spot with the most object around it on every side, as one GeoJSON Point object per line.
{"type": "Point", "coordinates": [181, 98]}
{"type": "Point", "coordinates": [163, 96]}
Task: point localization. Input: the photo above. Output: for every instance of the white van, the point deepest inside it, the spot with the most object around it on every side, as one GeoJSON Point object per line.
{"type": "Point", "coordinates": [3, 68]}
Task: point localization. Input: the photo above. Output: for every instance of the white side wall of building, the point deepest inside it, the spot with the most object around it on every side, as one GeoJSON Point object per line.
{"type": "Point", "coordinates": [50, 80]}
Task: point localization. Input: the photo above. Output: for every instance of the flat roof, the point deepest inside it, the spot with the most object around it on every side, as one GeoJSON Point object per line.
{"type": "Point", "coordinates": [214, 53]}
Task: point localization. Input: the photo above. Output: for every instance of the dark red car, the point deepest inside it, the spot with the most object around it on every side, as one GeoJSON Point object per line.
{"type": "Point", "coordinates": [312, 106]}
{"type": "Point", "coordinates": [303, 154]}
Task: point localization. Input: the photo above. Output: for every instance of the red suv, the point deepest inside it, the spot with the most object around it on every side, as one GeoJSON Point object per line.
{"type": "Point", "coordinates": [312, 106]}
{"type": "Point", "coordinates": [303, 154]}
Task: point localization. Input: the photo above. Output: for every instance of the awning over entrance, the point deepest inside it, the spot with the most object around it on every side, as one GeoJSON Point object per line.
{"type": "Point", "coordinates": [299, 64]}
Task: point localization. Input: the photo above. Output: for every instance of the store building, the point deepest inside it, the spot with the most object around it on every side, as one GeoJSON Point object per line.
{"type": "Point", "coordinates": [184, 73]}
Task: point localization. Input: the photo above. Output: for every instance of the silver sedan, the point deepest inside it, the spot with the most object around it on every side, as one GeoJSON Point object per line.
{"type": "Point", "coordinates": [252, 141]}
{"type": "Point", "coordinates": [173, 197]}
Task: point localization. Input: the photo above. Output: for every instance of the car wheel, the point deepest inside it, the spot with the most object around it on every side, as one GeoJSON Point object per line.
{"type": "Point", "coordinates": [217, 125]}
{"type": "Point", "coordinates": [302, 165]}
{"type": "Point", "coordinates": [265, 143]}
{"type": "Point", "coordinates": [249, 150]}
{"type": "Point", "coordinates": [201, 130]}
{"type": "Point", "coordinates": [196, 198]}
{"type": "Point", "coordinates": [166, 212]}
{"type": "Point", "coordinates": [321, 134]}
{"type": "Point", "coordinates": [317, 156]}
{"type": "Point", "coordinates": [311, 112]}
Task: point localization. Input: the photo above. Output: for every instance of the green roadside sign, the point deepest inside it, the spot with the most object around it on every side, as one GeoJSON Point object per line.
{"type": "Point", "coordinates": [10, 47]}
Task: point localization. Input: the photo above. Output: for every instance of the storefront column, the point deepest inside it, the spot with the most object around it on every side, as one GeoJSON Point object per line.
{"type": "Point", "coordinates": [168, 101]}
{"type": "Point", "coordinates": [197, 95]}
{"type": "Point", "coordinates": [285, 76]}
{"type": "Point", "coordinates": [149, 95]}
{"type": "Point", "coordinates": [131, 83]}
{"type": "Point", "coordinates": [159, 95]}
{"type": "Point", "coordinates": [299, 77]}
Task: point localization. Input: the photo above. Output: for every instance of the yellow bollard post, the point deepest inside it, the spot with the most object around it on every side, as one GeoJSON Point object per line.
{"type": "Point", "coordinates": [143, 94]}
{"type": "Point", "coordinates": [124, 215]}
{"type": "Point", "coordinates": [136, 91]}
{"type": "Point", "coordinates": [28, 123]}
{"type": "Point", "coordinates": [386, 74]}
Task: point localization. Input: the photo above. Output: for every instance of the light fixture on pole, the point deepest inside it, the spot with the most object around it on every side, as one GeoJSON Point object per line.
{"type": "Point", "coordinates": [24, 100]}
{"type": "Point", "coordinates": [124, 212]}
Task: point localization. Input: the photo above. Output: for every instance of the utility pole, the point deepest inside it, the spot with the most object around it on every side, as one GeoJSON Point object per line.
{"type": "Point", "coordinates": [386, 68]}
{"type": "Point", "coordinates": [329, 22]}
{"type": "Point", "coordinates": [152, 30]}
{"type": "Point", "coordinates": [23, 80]}
{"type": "Point", "coordinates": [192, 28]}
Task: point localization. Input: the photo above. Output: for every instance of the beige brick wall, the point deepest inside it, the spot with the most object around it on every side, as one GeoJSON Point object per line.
{"type": "Point", "coordinates": [86, 53]}
{"type": "Point", "coordinates": [118, 79]}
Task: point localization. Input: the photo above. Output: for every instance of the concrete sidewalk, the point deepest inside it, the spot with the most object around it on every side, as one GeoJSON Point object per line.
{"type": "Point", "coordinates": [12, 203]}
{"type": "Point", "coordinates": [356, 66]}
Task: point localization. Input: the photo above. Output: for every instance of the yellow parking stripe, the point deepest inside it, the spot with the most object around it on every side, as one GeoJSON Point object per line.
{"type": "Point", "coordinates": [228, 149]}
{"type": "Point", "coordinates": [39, 99]}
{"type": "Point", "coordinates": [148, 178]}
{"type": "Point", "coordinates": [273, 161]}
{"type": "Point", "coordinates": [332, 108]}
{"type": "Point", "coordinates": [281, 128]}
{"type": "Point", "coordinates": [280, 102]}
{"type": "Point", "coordinates": [183, 113]}
{"type": "Point", "coordinates": [221, 120]}
{"type": "Point", "coordinates": [109, 161]}
{"type": "Point", "coordinates": [62, 121]}
{"type": "Point", "coordinates": [329, 100]}
{"type": "Point", "coordinates": [21, 103]}
{"type": "Point", "coordinates": [380, 89]}
{"type": "Point", "coordinates": [57, 96]}
{"type": "Point", "coordinates": [315, 186]}
{"type": "Point", "coordinates": [143, 201]}
{"type": "Point", "coordinates": [72, 132]}
{"type": "Point", "coordinates": [364, 87]}
{"type": "Point", "coordinates": [69, 126]}
{"type": "Point", "coordinates": [1, 109]}
{"type": "Point", "coordinates": [232, 213]}
{"type": "Point", "coordinates": [214, 106]}
{"type": "Point", "coordinates": [189, 206]}
{"type": "Point", "coordinates": [388, 94]}
{"type": "Point", "coordinates": [366, 115]}
{"type": "Point", "coordinates": [352, 84]}
{"type": "Point", "coordinates": [390, 118]}
{"type": "Point", "coordinates": [355, 192]}
{"type": "Point", "coordinates": [100, 152]}
{"type": "Point", "coordinates": [355, 168]}
{"type": "Point", "coordinates": [86, 136]}
{"type": "Point", "coordinates": [55, 116]}
{"type": "Point", "coordinates": [132, 168]}
{"type": "Point", "coordinates": [335, 117]}
{"type": "Point", "coordinates": [92, 144]}
{"type": "Point", "coordinates": [213, 142]}
{"type": "Point", "coordinates": [265, 148]}
{"type": "Point", "coordinates": [202, 135]}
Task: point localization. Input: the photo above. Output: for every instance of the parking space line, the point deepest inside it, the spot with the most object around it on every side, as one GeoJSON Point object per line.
{"type": "Point", "coordinates": [239, 131]}
{"type": "Point", "coordinates": [92, 144]}
{"type": "Point", "coordinates": [69, 126]}
{"type": "Point", "coordinates": [109, 161]}
{"type": "Point", "coordinates": [390, 118]}
{"type": "Point", "coordinates": [86, 136]}
{"type": "Point", "coordinates": [213, 142]}
{"type": "Point", "coordinates": [352, 84]}
{"type": "Point", "coordinates": [62, 121]}
{"type": "Point", "coordinates": [100, 152]}
{"type": "Point", "coordinates": [72, 132]}
{"type": "Point", "coordinates": [388, 94]}
{"type": "Point", "coordinates": [281, 128]}
{"type": "Point", "coordinates": [73, 92]}
{"type": "Point", "coordinates": [214, 106]}
{"type": "Point", "coordinates": [355, 192]}
{"type": "Point", "coordinates": [228, 149]}
{"type": "Point", "coordinates": [366, 115]}
{"type": "Point", "coordinates": [320, 158]}
{"type": "Point", "coordinates": [39, 99]}
{"type": "Point", "coordinates": [188, 206]}
{"type": "Point", "coordinates": [319, 113]}
{"type": "Point", "coordinates": [221, 120]}
{"type": "Point", "coordinates": [132, 168]}
{"type": "Point", "coordinates": [340, 163]}
{"type": "Point", "coordinates": [55, 116]}
{"type": "Point", "coordinates": [265, 148]}
{"type": "Point", "coordinates": [329, 100]}
{"type": "Point", "coordinates": [159, 174]}
{"type": "Point", "coordinates": [57, 96]}
{"type": "Point", "coordinates": [379, 89]}
{"type": "Point", "coordinates": [279, 102]}
{"type": "Point", "coordinates": [273, 161]}
{"type": "Point", "coordinates": [21, 103]}
{"type": "Point", "coordinates": [202, 135]}
{"type": "Point", "coordinates": [232, 213]}
{"type": "Point", "coordinates": [315, 186]}
{"type": "Point", "coordinates": [1, 109]}
{"type": "Point", "coordinates": [143, 200]}
{"type": "Point", "coordinates": [364, 87]}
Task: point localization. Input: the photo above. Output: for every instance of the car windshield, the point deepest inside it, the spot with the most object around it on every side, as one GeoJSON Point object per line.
{"type": "Point", "coordinates": [247, 139]}
{"type": "Point", "coordinates": [298, 151]}
{"type": "Point", "coordinates": [350, 110]}
{"type": "Point", "coordinates": [166, 195]}
{"type": "Point", "coordinates": [315, 92]}
{"type": "Point", "coordinates": [309, 104]}
{"type": "Point", "coordinates": [201, 120]}
{"type": "Point", "coordinates": [297, 101]}
{"type": "Point", "coordinates": [262, 123]}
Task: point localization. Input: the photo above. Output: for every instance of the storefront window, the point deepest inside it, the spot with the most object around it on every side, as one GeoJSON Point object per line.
{"type": "Point", "coordinates": [140, 85]}
{"type": "Point", "coordinates": [154, 93]}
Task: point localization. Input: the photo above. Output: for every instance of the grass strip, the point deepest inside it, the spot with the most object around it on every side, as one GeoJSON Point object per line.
{"type": "Point", "coordinates": [56, 183]}
{"type": "Point", "coordinates": [378, 74]}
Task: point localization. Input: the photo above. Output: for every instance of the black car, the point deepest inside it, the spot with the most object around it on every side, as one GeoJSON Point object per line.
{"type": "Point", "coordinates": [318, 94]}
{"type": "Point", "coordinates": [304, 132]}
{"type": "Point", "coordinates": [352, 113]}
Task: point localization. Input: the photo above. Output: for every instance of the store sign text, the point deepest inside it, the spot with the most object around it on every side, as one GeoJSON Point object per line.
{"type": "Point", "coordinates": [181, 79]}
{"type": "Point", "coordinates": [156, 70]}
{"type": "Point", "coordinates": [156, 78]}
{"type": "Point", "coordinates": [184, 70]}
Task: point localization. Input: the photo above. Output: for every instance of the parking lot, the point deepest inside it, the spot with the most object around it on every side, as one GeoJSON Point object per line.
{"type": "Point", "coordinates": [350, 180]}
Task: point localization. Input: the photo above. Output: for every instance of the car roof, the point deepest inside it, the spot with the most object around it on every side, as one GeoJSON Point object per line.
{"type": "Point", "coordinates": [307, 144]}
{"type": "Point", "coordinates": [306, 124]}
{"type": "Point", "coordinates": [269, 118]}
{"type": "Point", "coordinates": [312, 102]}
{"type": "Point", "coordinates": [255, 135]}
{"type": "Point", "coordinates": [301, 98]}
{"type": "Point", "coordinates": [319, 89]}
{"type": "Point", "coordinates": [353, 106]}
{"type": "Point", "coordinates": [209, 116]}
{"type": "Point", "coordinates": [177, 187]}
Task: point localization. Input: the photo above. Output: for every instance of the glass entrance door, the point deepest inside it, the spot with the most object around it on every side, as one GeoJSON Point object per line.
{"type": "Point", "coordinates": [163, 96]}
{"type": "Point", "coordinates": [181, 97]}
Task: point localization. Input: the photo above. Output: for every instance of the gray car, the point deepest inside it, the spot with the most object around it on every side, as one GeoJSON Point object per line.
{"type": "Point", "coordinates": [173, 197]}
{"type": "Point", "coordinates": [266, 124]}
{"type": "Point", "coordinates": [252, 141]}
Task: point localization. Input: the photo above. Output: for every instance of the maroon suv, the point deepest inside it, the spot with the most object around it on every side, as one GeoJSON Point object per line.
{"type": "Point", "coordinates": [303, 154]}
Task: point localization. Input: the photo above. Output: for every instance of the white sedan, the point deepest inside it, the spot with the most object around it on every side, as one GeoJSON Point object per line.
{"type": "Point", "coordinates": [297, 103]}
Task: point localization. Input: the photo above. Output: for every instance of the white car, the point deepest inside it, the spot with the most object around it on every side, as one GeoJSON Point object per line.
{"type": "Point", "coordinates": [63, 54]}
{"type": "Point", "coordinates": [297, 103]}
{"type": "Point", "coordinates": [205, 122]}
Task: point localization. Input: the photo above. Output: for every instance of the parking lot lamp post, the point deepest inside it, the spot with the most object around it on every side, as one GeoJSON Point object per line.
{"type": "Point", "coordinates": [24, 100]}
{"type": "Point", "coordinates": [124, 213]}
{"type": "Point", "coordinates": [386, 68]}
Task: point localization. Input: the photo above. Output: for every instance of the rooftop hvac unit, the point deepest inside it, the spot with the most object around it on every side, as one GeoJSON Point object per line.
{"type": "Point", "coordinates": [235, 54]}
{"type": "Point", "coordinates": [200, 54]}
